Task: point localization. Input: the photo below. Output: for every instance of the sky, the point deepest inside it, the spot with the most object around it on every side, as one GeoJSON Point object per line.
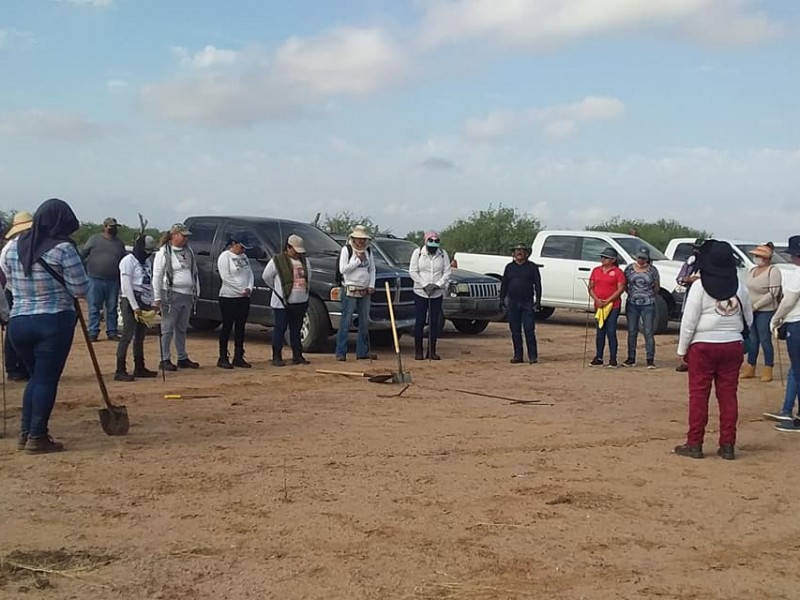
{"type": "Point", "coordinates": [413, 112]}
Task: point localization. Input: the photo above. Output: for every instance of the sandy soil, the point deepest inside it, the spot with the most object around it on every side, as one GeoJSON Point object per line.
{"type": "Point", "coordinates": [292, 484]}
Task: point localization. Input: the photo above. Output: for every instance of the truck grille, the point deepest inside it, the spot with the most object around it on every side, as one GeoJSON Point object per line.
{"type": "Point", "coordinates": [484, 290]}
{"type": "Point", "coordinates": [403, 295]}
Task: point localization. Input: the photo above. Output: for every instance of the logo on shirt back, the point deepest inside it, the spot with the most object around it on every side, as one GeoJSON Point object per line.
{"type": "Point", "coordinates": [727, 308]}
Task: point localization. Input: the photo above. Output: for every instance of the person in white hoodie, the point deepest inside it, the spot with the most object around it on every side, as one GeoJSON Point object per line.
{"type": "Point", "coordinates": [288, 274]}
{"type": "Point", "coordinates": [430, 270]}
{"type": "Point", "coordinates": [358, 284]}
{"type": "Point", "coordinates": [176, 286]}
{"type": "Point", "coordinates": [234, 299]}
{"type": "Point", "coordinates": [716, 320]}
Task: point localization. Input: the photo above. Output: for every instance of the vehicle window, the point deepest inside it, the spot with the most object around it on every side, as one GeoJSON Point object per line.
{"type": "Point", "coordinates": [257, 251]}
{"type": "Point", "coordinates": [315, 240]}
{"type": "Point", "coordinates": [202, 236]}
{"type": "Point", "coordinates": [683, 251]}
{"type": "Point", "coordinates": [632, 244]}
{"type": "Point", "coordinates": [776, 256]}
{"type": "Point", "coordinates": [561, 246]}
{"type": "Point", "coordinates": [398, 251]}
{"type": "Point", "coordinates": [591, 249]}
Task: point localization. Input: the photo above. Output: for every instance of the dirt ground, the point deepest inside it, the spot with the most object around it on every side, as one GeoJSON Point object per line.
{"type": "Point", "coordinates": [291, 484]}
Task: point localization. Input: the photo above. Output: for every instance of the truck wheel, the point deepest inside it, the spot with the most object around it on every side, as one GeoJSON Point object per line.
{"type": "Point", "coordinates": [662, 315]}
{"type": "Point", "coordinates": [544, 313]}
{"type": "Point", "coordinates": [316, 327]}
{"type": "Point", "coordinates": [470, 326]}
{"type": "Point", "coordinates": [204, 324]}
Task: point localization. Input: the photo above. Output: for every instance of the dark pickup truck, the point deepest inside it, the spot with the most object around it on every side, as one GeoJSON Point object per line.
{"type": "Point", "coordinates": [209, 234]}
{"type": "Point", "coordinates": [470, 301]}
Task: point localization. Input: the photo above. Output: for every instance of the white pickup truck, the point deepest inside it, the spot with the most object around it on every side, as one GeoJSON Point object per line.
{"type": "Point", "coordinates": [566, 259]}
{"type": "Point", "coordinates": [681, 248]}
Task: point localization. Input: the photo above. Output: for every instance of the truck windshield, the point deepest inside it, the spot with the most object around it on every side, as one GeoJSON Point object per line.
{"type": "Point", "coordinates": [632, 244]}
{"type": "Point", "coordinates": [776, 257]}
{"type": "Point", "coordinates": [397, 251]}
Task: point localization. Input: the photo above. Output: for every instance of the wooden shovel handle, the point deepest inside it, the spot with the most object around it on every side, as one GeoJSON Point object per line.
{"type": "Point", "coordinates": [92, 355]}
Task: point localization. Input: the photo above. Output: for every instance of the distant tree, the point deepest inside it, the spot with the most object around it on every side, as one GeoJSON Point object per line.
{"type": "Point", "coordinates": [343, 223]}
{"type": "Point", "coordinates": [416, 236]}
{"type": "Point", "coordinates": [126, 234]}
{"type": "Point", "coordinates": [491, 231]}
{"type": "Point", "coordinates": [658, 233]}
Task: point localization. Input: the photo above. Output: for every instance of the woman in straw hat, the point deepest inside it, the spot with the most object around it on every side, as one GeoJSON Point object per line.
{"type": "Point", "coordinates": [764, 286]}
{"type": "Point", "coordinates": [358, 284]}
{"type": "Point", "coordinates": [16, 369]}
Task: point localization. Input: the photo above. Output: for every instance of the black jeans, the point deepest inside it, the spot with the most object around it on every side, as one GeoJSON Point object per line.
{"type": "Point", "coordinates": [520, 317]}
{"type": "Point", "coordinates": [234, 316]}
{"type": "Point", "coordinates": [423, 308]}
{"type": "Point", "coordinates": [14, 365]}
{"type": "Point", "coordinates": [131, 330]}
{"type": "Point", "coordinates": [290, 317]}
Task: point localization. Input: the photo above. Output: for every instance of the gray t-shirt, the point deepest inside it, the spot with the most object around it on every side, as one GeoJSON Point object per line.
{"type": "Point", "coordinates": [101, 256]}
{"type": "Point", "coordinates": [641, 285]}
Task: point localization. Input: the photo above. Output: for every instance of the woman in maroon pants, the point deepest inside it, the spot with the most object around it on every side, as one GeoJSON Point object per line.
{"type": "Point", "coordinates": [716, 314]}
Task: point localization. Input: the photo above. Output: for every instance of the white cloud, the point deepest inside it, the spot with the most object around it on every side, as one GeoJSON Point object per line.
{"type": "Point", "coordinates": [208, 58]}
{"type": "Point", "coordinates": [303, 77]}
{"type": "Point", "coordinates": [548, 23]}
{"type": "Point", "coordinates": [117, 86]}
{"type": "Point", "coordinates": [50, 124]}
{"type": "Point", "coordinates": [556, 121]}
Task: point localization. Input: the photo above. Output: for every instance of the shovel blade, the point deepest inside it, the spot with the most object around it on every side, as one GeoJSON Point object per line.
{"type": "Point", "coordinates": [114, 420]}
{"type": "Point", "coordinates": [401, 377]}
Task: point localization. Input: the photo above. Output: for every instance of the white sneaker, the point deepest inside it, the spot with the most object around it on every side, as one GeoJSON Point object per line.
{"type": "Point", "coordinates": [776, 416]}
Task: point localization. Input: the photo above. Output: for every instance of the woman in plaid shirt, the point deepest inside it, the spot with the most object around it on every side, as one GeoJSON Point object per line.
{"type": "Point", "coordinates": [42, 321]}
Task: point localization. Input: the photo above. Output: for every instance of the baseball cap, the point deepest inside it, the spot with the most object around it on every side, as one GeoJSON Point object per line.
{"type": "Point", "coordinates": [241, 237]}
{"type": "Point", "coordinates": [110, 222]}
{"type": "Point", "coordinates": [180, 228]}
{"type": "Point", "coordinates": [296, 242]}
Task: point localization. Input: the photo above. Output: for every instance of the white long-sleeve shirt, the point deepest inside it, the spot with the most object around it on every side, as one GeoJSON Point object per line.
{"type": "Point", "coordinates": [706, 320]}
{"type": "Point", "coordinates": [236, 275]}
{"type": "Point", "coordinates": [357, 271]}
{"type": "Point", "coordinates": [135, 277]}
{"type": "Point", "coordinates": [273, 279]}
{"type": "Point", "coordinates": [426, 269]}
{"type": "Point", "coordinates": [181, 273]}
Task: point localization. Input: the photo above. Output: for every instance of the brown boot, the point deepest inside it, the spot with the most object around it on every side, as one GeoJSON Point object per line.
{"type": "Point", "coordinates": [749, 371]}
{"type": "Point", "coordinates": [42, 445]}
{"type": "Point", "coordinates": [766, 374]}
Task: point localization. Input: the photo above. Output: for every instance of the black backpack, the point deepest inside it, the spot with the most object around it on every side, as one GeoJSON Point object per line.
{"type": "Point", "coordinates": [338, 275]}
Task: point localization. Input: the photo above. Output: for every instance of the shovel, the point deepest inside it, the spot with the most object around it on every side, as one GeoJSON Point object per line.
{"type": "Point", "coordinates": [400, 376]}
{"type": "Point", "coordinates": [113, 418]}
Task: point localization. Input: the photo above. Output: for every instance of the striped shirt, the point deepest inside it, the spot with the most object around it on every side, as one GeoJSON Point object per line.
{"type": "Point", "coordinates": [41, 293]}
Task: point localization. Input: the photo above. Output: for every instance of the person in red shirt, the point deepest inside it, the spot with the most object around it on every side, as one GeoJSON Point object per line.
{"type": "Point", "coordinates": [606, 285]}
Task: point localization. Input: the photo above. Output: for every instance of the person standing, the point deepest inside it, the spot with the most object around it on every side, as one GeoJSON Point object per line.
{"type": "Point", "coordinates": [764, 286]}
{"type": "Point", "coordinates": [787, 316]}
{"type": "Point", "coordinates": [136, 286]}
{"type": "Point", "coordinates": [42, 322]}
{"type": "Point", "coordinates": [101, 255]}
{"type": "Point", "coordinates": [686, 277]}
{"type": "Point", "coordinates": [716, 317]}
{"type": "Point", "coordinates": [16, 369]}
{"type": "Point", "coordinates": [176, 286]}
{"type": "Point", "coordinates": [643, 284]}
{"type": "Point", "coordinates": [606, 285]}
{"type": "Point", "coordinates": [521, 297]}
{"type": "Point", "coordinates": [234, 299]}
{"type": "Point", "coordinates": [429, 268]}
{"type": "Point", "coordinates": [358, 284]}
{"type": "Point", "coordinates": [288, 274]}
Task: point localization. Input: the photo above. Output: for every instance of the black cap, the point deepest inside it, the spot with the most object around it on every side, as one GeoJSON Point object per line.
{"type": "Point", "coordinates": [609, 252]}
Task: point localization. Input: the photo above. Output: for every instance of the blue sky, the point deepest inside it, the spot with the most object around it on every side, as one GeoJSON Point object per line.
{"type": "Point", "coordinates": [414, 112]}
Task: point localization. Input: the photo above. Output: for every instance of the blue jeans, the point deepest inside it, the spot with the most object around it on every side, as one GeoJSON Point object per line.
{"type": "Point", "coordinates": [520, 317]}
{"type": "Point", "coordinates": [647, 314]}
{"type": "Point", "coordinates": [43, 343]}
{"type": "Point", "coordinates": [793, 350]}
{"type": "Point", "coordinates": [422, 308]}
{"type": "Point", "coordinates": [791, 394]}
{"type": "Point", "coordinates": [103, 294]}
{"type": "Point", "coordinates": [350, 306]}
{"type": "Point", "coordinates": [608, 330]}
{"type": "Point", "coordinates": [760, 334]}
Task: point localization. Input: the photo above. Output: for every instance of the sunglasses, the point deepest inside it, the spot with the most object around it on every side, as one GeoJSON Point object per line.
{"type": "Point", "coordinates": [434, 240]}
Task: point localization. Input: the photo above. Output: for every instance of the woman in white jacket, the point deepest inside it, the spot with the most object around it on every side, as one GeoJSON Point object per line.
{"type": "Point", "coordinates": [234, 299]}
{"type": "Point", "coordinates": [430, 270]}
{"type": "Point", "coordinates": [716, 318]}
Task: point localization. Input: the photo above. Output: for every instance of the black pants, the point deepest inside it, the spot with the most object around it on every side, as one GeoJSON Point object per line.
{"type": "Point", "coordinates": [290, 317]}
{"type": "Point", "coordinates": [14, 365]}
{"type": "Point", "coordinates": [234, 316]}
{"type": "Point", "coordinates": [423, 307]}
{"type": "Point", "coordinates": [520, 317]}
{"type": "Point", "coordinates": [131, 330]}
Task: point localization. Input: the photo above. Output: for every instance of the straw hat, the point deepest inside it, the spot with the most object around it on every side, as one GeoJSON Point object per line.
{"type": "Point", "coordinates": [359, 231]}
{"type": "Point", "coordinates": [23, 221]}
{"type": "Point", "coordinates": [762, 251]}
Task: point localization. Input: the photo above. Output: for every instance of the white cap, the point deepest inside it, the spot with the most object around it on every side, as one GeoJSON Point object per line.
{"type": "Point", "coordinates": [296, 242]}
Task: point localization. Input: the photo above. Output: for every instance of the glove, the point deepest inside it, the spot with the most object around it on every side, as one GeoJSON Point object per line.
{"type": "Point", "coordinates": [430, 288]}
{"type": "Point", "coordinates": [148, 318]}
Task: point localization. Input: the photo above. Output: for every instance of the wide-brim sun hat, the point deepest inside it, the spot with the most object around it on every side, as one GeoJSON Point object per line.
{"type": "Point", "coordinates": [762, 251]}
{"type": "Point", "coordinates": [22, 222]}
{"type": "Point", "coordinates": [360, 232]}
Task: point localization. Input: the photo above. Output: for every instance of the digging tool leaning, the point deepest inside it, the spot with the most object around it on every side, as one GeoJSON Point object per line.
{"type": "Point", "coordinates": [3, 366]}
{"type": "Point", "coordinates": [400, 376]}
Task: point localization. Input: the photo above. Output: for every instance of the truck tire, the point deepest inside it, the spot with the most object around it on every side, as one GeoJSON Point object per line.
{"type": "Point", "coordinates": [204, 324]}
{"type": "Point", "coordinates": [662, 315]}
{"type": "Point", "coordinates": [316, 327]}
{"type": "Point", "coordinates": [470, 326]}
{"type": "Point", "coordinates": [544, 313]}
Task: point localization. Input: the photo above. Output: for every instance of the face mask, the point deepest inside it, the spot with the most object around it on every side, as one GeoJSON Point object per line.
{"type": "Point", "coordinates": [113, 231]}
{"type": "Point", "coordinates": [760, 261]}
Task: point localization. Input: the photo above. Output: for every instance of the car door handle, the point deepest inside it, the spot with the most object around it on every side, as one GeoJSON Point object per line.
{"type": "Point", "coordinates": [584, 269]}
